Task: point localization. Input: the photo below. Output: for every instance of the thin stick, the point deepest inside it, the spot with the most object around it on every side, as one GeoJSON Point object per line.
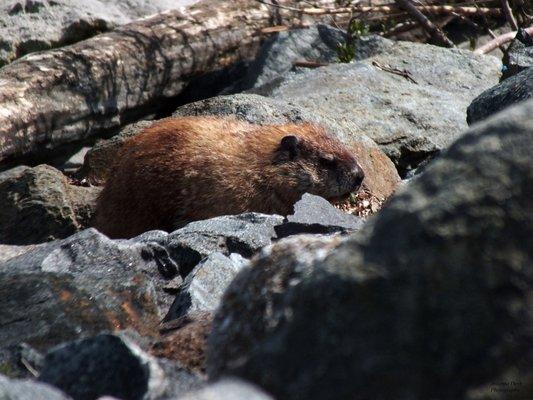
{"type": "Point", "coordinates": [392, 9]}
{"type": "Point", "coordinates": [436, 34]}
{"type": "Point", "coordinates": [509, 14]}
{"type": "Point", "coordinates": [498, 41]}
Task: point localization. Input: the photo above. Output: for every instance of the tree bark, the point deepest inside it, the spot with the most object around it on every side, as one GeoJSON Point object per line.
{"type": "Point", "coordinates": [68, 94]}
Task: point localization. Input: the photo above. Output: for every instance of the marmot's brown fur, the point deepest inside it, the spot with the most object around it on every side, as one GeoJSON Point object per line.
{"type": "Point", "coordinates": [184, 169]}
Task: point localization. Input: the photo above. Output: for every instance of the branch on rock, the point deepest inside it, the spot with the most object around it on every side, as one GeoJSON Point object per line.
{"type": "Point", "coordinates": [500, 40]}
{"type": "Point", "coordinates": [494, 12]}
{"type": "Point", "coordinates": [436, 34]}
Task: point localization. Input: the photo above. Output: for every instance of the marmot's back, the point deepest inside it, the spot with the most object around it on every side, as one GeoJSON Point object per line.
{"type": "Point", "coordinates": [184, 169]}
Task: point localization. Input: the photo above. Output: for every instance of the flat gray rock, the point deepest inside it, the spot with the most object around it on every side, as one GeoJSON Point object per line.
{"type": "Point", "coordinates": [314, 214]}
{"type": "Point", "coordinates": [244, 234]}
{"type": "Point", "coordinates": [26, 389]}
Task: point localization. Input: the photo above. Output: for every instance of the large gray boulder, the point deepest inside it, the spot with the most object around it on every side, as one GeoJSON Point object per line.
{"type": "Point", "coordinates": [29, 26]}
{"type": "Point", "coordinates": [412, 113]}
{"type": "Point", "coordinates": [513, 90]}
{"type": "Point", "coordinates": [39, 204]}
{"type": "Point", "coordinates": [81, 286]}
{"type": "Point", "coordinates": [433, 296]}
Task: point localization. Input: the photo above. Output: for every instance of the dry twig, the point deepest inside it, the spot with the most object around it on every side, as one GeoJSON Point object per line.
{"type": "Point", "coordinates": [436, 34]}
{"type": "Point", "coordinates": [500, 40]}
{"type": "Point", "coordinates": [509, 14]}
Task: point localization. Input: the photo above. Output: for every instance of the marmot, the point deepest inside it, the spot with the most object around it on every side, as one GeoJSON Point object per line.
{"type": "Point", "coordinates": [183, 169]}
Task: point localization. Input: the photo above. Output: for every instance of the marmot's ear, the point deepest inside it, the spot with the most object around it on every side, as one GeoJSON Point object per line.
{"type": "Point", "coordinates": [290, 144]}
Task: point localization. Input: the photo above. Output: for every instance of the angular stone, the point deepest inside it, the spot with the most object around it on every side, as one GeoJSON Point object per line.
{"type": "Point", "coordinates": [79, 286]}
{"type": "Point", "coordinates": [38, 204]}
{"type": "Point", "coordinates": [103, 365]}
{"type": "Point", "coordinates": [314, 214]}
{"type": "Point", "coordinates": [244, 234]}
{"type": "Point", "coordinates": [516, 89]}
{"type": "Point", "coordinates": [204, 286]}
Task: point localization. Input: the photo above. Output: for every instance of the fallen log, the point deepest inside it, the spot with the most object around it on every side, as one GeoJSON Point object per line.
{"type": "Point", "coordinates": [64, 95]}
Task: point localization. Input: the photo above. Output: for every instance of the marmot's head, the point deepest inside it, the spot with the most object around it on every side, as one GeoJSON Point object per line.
{"type": "Point", "coordinates": [317, 163]}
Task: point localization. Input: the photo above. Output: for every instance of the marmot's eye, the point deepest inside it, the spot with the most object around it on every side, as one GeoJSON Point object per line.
{"type": "Point", "coordinates": [328, 161]}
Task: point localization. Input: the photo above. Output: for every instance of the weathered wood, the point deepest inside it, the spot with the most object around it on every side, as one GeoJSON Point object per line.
{"type": "Point", "coordinates": [64, 95]}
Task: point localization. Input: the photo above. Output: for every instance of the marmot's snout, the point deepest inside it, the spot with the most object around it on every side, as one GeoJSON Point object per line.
{"type": "Point", "coordinates": [357, 176]}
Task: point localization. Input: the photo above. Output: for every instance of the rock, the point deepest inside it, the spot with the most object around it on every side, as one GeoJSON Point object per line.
{"type": "Point", "coordinates": [228, 389]}
{"type": "Point", "coordinates": [365, 98]}
{"type": "Point", "coordinates": [278, 54]}
{"type": "Point", "coordinates": [185, 340]}
{"type": "Point", "coordinates": [204, 286]}
{"type": "Point", "coordinates": [29, 26]}
{"type": "Point", "coordinates": [9, 251]}
{"type": "Point", "coordinates": [244, 234]}
{"type": "Point", "coordinates": [519, 54]}
{"type": "Point", "coordinates": [20, 361]}
{"type": "Point", "coordinates": [318, 43]}
{"type": "Point", "coordinates": [432, 296]}
{"type": "Point", "coordinates": [100, 158]}
{"type": "Point", "coordinates": [513, 90]}
{"type": "Point", "coordinates": [179, 379]}
{"type": "Point", "coordinates": [75, 161]}
{"type": "Point", "coordinates": [26, 389]}
{"type": "Point", "coordinates": [314, 214]}
{"type": "Point", "coordinates": [381, 177]}
{"type": "Point", "coordinates": [38, 204]}
{"type": "Point", "coordinates": [81, 286]}
{"type": "Point", "coordinates": [103, 365]}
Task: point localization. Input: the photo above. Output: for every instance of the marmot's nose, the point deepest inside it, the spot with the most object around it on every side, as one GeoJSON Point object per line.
{"type": "Point", "coordinates": [358, 176]}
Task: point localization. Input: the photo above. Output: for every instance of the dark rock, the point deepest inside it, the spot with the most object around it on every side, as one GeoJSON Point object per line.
{"type": "Point", "coordinates": [314, 214]}
{"type": "Point", "coordinates": [513, 90]}
{"type": "Point", "coordinates": [19, 389]}
{"type": "Point", "coordinates": [519, 54]}
{"type": "Point", "coordinates": [381, 177]}
{"type": "Point", "coordinates": [431, 298]}
{"type": "Point", "coordinates": [20, 361]}
{"type": "Point", "coordinates": [80, 286]}
{"type": "Point", "coordinates": [38, 204]}
{"type": "Point", "coordinates": [103, 365]}
{"type": "Point", "coordinates": [394, 111]}
{"type": "Point", "coordinates": [204, 286]}
{"type": "Point", "coordinates": [101, 156]}
{"type": "Point", "coordinates": [244, 234]}
{"type": "Point", "coordinates": [228, 389]}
